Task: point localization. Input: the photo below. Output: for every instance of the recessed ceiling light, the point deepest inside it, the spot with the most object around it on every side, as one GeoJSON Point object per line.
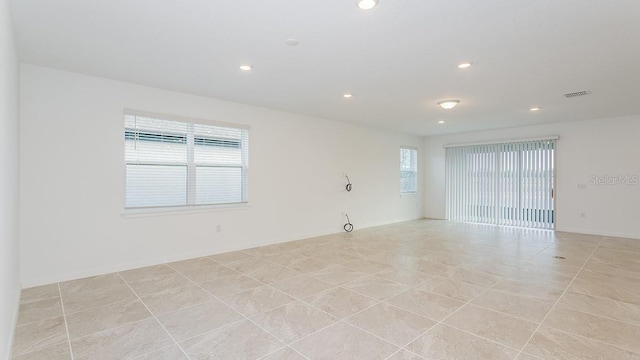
{"type": "Point", "coordinates": [448, 104]}
{"type": "Point", "coordinates": [292, 42]}
{"type": "Point", "coordinates": [245, 67]}
{"type": "Point", "coordinates": [464, 65]}
{"type": "Point", "coordinates": [347, 96]}
{"type": "Point", "coordinates": [366, 4]}
{"type": "Point", "coordinates": [534, 109]}
{"type": "Point", "coordinates": [440, 121]}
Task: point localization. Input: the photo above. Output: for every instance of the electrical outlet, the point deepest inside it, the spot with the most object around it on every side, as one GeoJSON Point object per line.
{"type": "Point", "coordinates": [218, 228]}
{"type": "Point", "coordinates": [583, 215]}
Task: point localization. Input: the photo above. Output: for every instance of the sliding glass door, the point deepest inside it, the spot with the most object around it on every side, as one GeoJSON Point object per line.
{"type": "Point", "coordinates": [503, 184]}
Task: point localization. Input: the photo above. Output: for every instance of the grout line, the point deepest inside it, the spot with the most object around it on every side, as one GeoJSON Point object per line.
{"type": "Point", "coordinates": [469, 302]}
{"type": "Point", "coordinates": [66, 325]}
{"type": "Point", "coordinates": [338, 320]}
{"type": "Point", "coordinates": [482, 337]}
{"type": "Point", "coordinates": [510, 315]}
{"type": "Point", "coordinates": [151, 352]}
{"type": "Point", "coordinates": [604, 297]}
{"type": "Point", "coordinates": [231, 307]}
{"type": "Point", "coordinates": [559, 298]}
{"type": "Point", "coordinates": [445, 318]}
{"type": "Point", "coordinates": [115, 327]}
{"type": "Point", "coordinates": [155, 317]}
{"type": "Point", "coordinates": [593, 340]}
{"type": "Point", "coordinates": [626, 322]}
{"type": "Point", "coordinates": [215, 329]}
{"type": "Point", "coordinates": [281, 348]}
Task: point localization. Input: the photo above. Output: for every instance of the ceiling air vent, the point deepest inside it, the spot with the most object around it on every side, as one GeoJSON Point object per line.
{"type": "Point", "coordinates": [577, 93]}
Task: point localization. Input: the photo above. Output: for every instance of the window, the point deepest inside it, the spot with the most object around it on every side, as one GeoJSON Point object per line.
{"type": "Point", "coordinates": [176, 163]}
{"type": "Point", "coordinates": [408, 170]}
{"type": "Point", "coordinates": [502, 183]}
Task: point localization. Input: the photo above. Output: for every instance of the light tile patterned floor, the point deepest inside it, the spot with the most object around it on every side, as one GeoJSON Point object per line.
{"type": "Point", "coordinates": [416, 290]}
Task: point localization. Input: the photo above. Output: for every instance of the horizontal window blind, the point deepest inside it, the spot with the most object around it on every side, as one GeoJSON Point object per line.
{"type": "Point", "coordinates": [502, 183]}
{"type": "Point", "coordinates": [177, 163]}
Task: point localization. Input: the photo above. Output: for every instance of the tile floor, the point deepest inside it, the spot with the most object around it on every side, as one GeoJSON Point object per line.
{"type": "Point", "coordinates": [416, 290]}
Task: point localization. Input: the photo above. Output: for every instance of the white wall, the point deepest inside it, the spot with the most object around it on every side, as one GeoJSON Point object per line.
{"type": "Point", "coordinates": [72, 173]}
{"type": "Point", "coordinates": [9, 188]}
{"type": "Point", "coordinates": [604, 147]}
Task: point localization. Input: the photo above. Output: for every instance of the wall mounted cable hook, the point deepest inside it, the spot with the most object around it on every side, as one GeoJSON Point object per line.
{"type": "Point", "coordinates": [348, 227]}
{"type": "Point", "coordinates": [349, 186]}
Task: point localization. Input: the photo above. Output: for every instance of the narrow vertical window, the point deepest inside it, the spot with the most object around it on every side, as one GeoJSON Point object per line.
{"type": "Point", "coordinates": [408, 170]}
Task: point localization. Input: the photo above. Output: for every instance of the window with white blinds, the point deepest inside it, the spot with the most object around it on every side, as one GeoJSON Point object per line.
{"type": "Point", "coordinates": [408, 170]}
{"type": "Point", "coordinates": [503, 184]}
{"type": "Point", "coordinates": [175, 163]}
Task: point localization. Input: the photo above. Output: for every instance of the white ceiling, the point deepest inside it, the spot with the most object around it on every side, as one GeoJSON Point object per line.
{"type": "Point", "coordinates": [398, 59]}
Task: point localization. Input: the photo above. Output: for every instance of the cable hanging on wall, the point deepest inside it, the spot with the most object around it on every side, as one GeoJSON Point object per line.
{"type": "Point", "coordinates": [349, 186]}
{"type": "Point", "coordinates": [348, 227]}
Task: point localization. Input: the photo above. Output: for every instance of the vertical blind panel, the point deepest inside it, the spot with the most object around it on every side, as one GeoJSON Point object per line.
{"type": "Point", "coordinates": [503, 184]}
{"type": "Point", "coordinates": [408, 170]}
{"type": "Point", "coordinates": [174, 163]}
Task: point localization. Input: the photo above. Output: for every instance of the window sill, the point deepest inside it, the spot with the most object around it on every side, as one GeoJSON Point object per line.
{"type": "Point", "coordinates": [409, 194]}
{"type": "Point", "coordinates": [182, 210]}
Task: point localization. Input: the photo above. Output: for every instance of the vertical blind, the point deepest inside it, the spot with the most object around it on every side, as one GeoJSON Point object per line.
{"type": "Point", "coordinates": [502, 183]}
{"type": "Point", "coordinates": [177, 163]}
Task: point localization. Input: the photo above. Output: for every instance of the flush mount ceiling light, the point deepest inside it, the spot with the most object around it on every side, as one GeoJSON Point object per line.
{"type": "Point", "coordinates": [347, 96]}
{"type": "Point", "coordinates": [465, 65]}
{"type": "Point", "coordinates": [448, 104]}
{"type": "Point", "coordinates": [292, 42]}
{"type": "Point", "coordinates": [245, 67]}
{"type": "Point", "coordinates": [534, 109]}
{"type": "Point", "coordinates": [366, 4]}
{"type": "Point", "coordinates": [440, 121]}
